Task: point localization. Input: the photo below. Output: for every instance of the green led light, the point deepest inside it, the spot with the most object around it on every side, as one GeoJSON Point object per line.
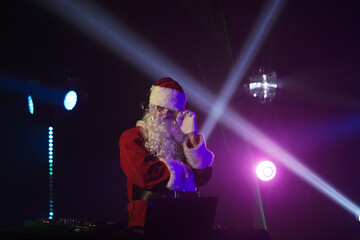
{"type": "Point", "coordinates": [51, 173]}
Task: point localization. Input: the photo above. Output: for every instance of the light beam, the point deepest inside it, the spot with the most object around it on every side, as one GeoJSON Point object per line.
{"type": "Point", "coordinates": [97, 24]}
{"type": "Point", "coordinates": [42, 93]}
{"type": "Point", "coordinates": [246, 130]}
{"type": "Point", "coordinates": [249, 51]}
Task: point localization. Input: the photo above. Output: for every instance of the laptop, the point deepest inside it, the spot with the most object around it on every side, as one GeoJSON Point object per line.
{"type": "Point", "coordinates": [180, 217]}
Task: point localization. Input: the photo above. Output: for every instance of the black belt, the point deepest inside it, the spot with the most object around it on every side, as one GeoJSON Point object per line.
{"type": "Point", "coordinates": [143, 194]}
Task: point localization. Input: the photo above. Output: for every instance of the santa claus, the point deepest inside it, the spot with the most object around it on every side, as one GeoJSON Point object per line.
{"type": "Point", "coordinates": [163, 156]}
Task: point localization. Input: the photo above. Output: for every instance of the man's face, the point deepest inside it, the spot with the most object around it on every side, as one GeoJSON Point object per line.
{"type": "Point", "coordinates": [164, 137]}
{"type": "Point", "coordinates": [165, 112]}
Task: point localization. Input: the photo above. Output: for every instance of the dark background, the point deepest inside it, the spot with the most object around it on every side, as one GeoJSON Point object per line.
{"type": "Point", "coordinates": [313, 46]}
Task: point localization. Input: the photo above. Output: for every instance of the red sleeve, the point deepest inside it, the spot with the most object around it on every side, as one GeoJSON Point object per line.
{"type": "Point", "coordinates": [202, 177]}
{"type": "Point", "coordinates": [140, 167]}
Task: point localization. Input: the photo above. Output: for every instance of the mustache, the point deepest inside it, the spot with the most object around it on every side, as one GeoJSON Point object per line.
{"type": "Point", "coordinates": [164, 137]}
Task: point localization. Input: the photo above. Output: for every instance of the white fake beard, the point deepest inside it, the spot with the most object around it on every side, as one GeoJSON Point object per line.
{"type": "Point", "coordinates": [164, 138]}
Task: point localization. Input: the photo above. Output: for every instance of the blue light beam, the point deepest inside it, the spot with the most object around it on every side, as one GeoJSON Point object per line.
{"type": "Point", "coordinates": [42, 93]}
{"type": "Point", "coordinates": [267, 17]}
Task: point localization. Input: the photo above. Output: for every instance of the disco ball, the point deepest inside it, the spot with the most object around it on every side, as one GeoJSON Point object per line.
{"type": "Point", "coordinates": [263, 86]}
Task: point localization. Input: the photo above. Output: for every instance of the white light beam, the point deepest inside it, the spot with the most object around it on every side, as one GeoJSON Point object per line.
{"type": "Point", "coordinates": [95, 22]}
{"type": "Point", "coordinates": [249, 51]}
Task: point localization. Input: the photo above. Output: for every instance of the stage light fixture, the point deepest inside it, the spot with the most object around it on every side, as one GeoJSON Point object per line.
{"type": "Point", "coordinates": [266, 170]}
{"type": "Point", "coordinates": [263, 86]}
{"type": "Point", "coordinates": [30, 105]}
{"type": "Point", "coordinates": [70, 100]}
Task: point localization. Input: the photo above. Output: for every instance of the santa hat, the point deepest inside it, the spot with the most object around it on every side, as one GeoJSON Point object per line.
{"type": "Point", "coordinates": [169, 94]}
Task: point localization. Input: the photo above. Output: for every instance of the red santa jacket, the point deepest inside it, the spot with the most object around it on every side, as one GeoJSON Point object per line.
{"type": "Point", "coordinates": [148, 172]}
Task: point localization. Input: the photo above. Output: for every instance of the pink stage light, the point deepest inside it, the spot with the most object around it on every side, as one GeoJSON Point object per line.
{"type": "Point", "coordinates": [266, 170]}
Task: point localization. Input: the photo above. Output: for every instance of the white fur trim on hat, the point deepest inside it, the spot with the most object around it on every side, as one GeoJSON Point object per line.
{"type": "Point", "coordinates": [199, 157]}
{"type": "Point", "coordinates": [167, 97]}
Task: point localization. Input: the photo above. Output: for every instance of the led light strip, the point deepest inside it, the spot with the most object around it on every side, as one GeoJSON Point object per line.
{"type": "Point", "coordinates": [51, 164]}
